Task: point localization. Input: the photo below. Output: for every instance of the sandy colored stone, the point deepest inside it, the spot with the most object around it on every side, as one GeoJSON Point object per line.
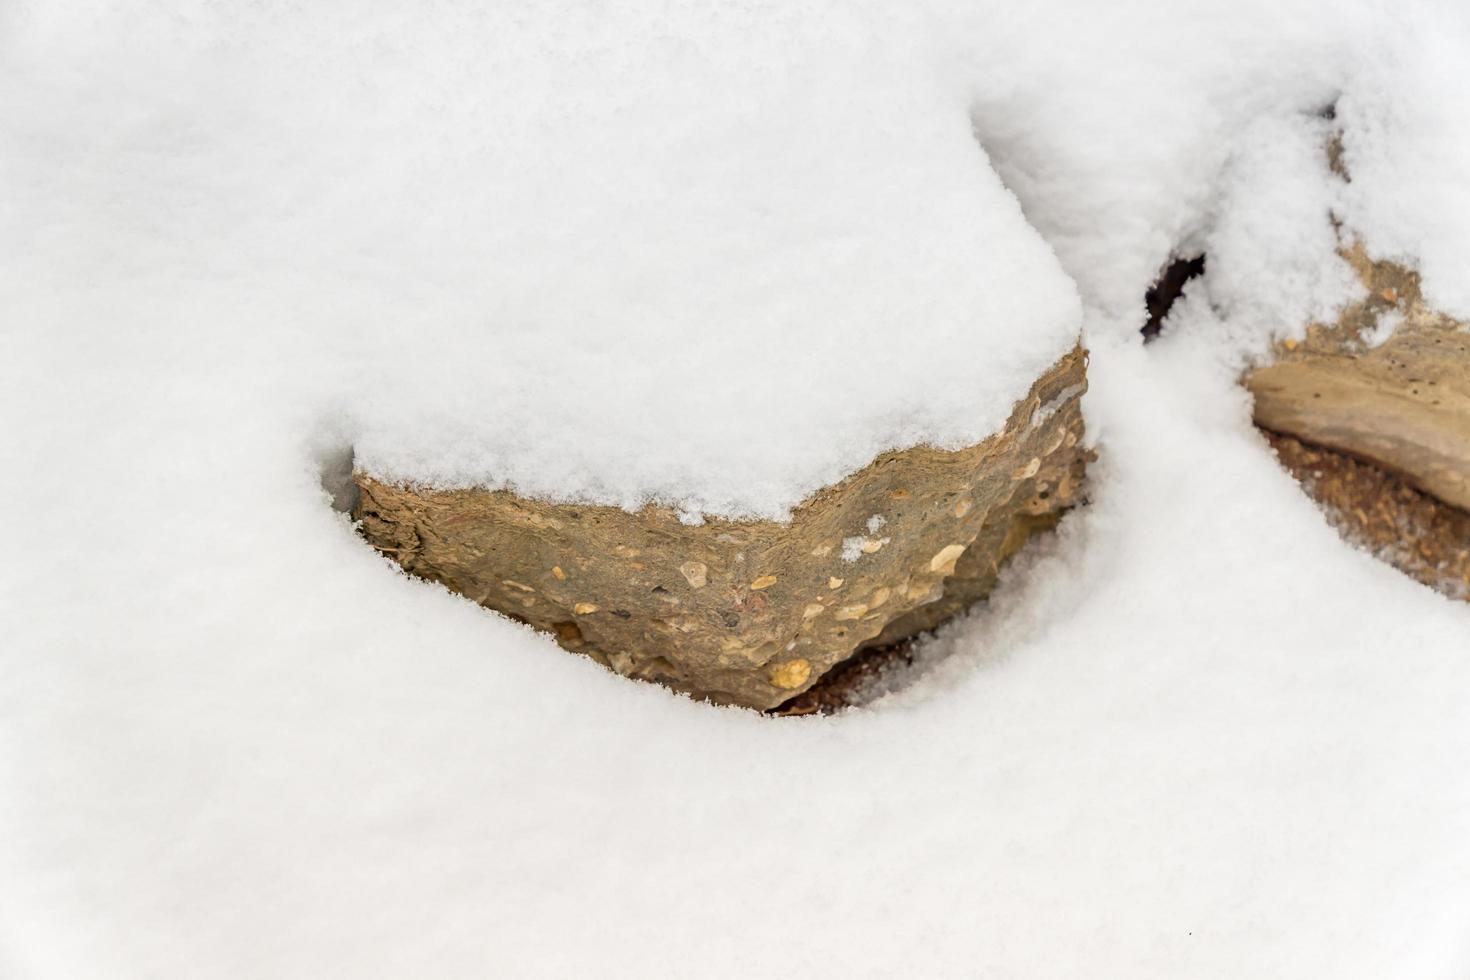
{"type": "Point", "coordinates": [791, 675]}
{"type": "Point", "coordinates": [1403, 405]}
{"type": "Point", "coordinates": [753, 612]}
{"type": "Point", "coordinates": [943, 561]}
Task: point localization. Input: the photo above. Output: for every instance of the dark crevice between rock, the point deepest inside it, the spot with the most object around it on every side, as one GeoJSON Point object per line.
{"type": "Point", "coordinates": [1336, 154]}
{"type": "Point", "coordinates": [885, 667]}
{"type": "Point", "coordinates": [1378, 511]}
{"type": "Point", "coordinates": [1161, 296]}
{"type": "Point", "coordinates": [334, 468]}
{"type": "Point", "coordinates": [845, 685]}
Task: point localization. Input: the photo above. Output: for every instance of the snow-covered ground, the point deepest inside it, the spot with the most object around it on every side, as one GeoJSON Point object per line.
{"type": "Point", "coordinates": [714, 255]}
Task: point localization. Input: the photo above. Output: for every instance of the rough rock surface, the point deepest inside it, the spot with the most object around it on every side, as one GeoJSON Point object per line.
{"type": "Point", "coordinates": [754, 612]}
{"type": "Point", "coordinates": [1402, 403]}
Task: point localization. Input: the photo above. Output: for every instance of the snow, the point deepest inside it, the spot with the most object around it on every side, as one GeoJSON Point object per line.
{"type": "Point", "coordinates": [1408, 153]}
{"type": "Point", "coordinates": [714, 255]}
{"type": "Point", "coordinates": [661, 252]}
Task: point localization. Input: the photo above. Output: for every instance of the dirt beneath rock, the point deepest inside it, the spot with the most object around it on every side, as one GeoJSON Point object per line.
{"type": "Point", "coordinates": [1422, 536]}
{"type": "Point", "coordinates": [853, 682]}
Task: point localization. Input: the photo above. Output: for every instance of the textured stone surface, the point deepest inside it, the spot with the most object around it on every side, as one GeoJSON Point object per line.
{"type": "Point", "coordinates": [1403, 405]}
{"type": "Point", "coordinates": [755, 612]}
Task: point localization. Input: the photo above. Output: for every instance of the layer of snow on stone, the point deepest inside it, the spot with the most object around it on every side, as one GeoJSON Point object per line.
{"type": "Point", "coordinates": [716, 255]}
{"type": "Point", "coordinates": [713, 254]}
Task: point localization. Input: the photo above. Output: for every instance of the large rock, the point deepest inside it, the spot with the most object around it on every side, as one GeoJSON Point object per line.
{"type": "Point", "coordinates": [753, 613]}
{"type": "Point", "coordinates": [1402, 403]}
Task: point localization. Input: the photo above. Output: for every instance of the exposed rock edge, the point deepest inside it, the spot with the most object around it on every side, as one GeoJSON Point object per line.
{"type": "Point", "coordinates": [753, 612]}
{"type": "Point", "coordinates": [1402, 403]}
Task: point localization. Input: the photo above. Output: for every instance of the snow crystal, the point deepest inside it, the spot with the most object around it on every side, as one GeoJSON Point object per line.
{"type": "Point", "coordinates": [855, 547]}
{"type": "Point", "coordinates": [1388, 323]}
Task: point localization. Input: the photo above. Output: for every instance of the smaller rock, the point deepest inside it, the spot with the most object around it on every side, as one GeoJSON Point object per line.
{"type": "Point", "coordinates": [696, 573]}
{"type": "Point", "coordinates": [1400, 401]}
{"type": "Point", "coordinates": [943, 561]}
{"type": "Point", "coordinates": [791, 675]}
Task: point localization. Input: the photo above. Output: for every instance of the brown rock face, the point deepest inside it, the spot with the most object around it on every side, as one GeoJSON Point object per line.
{"type": "Point", "coordinates": [753, 612]}
{"type": "Point", "coordinates": [1403, 405]}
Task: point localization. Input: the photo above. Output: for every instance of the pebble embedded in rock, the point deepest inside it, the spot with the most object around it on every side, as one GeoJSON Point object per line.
{"type": "Point", "coordinates": [696, 573]}
{"type": "Point", "coordinates": [943, 561]}
{"type": "Point", "coordinates": [792, 674]}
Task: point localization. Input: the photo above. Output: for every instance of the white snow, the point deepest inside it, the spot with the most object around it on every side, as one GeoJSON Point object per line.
{"type": "Point", "coordinates": [1388, 323]}
{"type": "Point", "coordinates": [715, 255]}
{"type": "Point", "coordinates": [712, 254]}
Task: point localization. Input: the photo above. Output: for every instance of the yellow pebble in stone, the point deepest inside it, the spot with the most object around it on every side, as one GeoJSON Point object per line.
{"type": "Point", "coordinates": [878, 598]}
{"type": "Point", "coordinates": [852, 612]}
{"type": "Point", "coordinates": [764, 582]}
{"type": "Point", "coordinates": [792, 674]}
{"type": "Point", "coordinates": [696, 573]}
{"type": "Point", "coordinates": [584, 608]}
{"type": "Point", "coordinates": [873, 545]}
{"type": "Point", "coordinates": [813, 610]}
{"type": "Point", "coordinates": [561, 576]}
{"type": "Point", "coordinates": [1028, 471]}
{"type": "Point", "coordinates": [822, 551]}
{"type": "Point", "coordinates": [962, 507]}
{"type": "Point", "coordinates": [834, 583]}
{"type": "Point", "coordinates": [943, 561]}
